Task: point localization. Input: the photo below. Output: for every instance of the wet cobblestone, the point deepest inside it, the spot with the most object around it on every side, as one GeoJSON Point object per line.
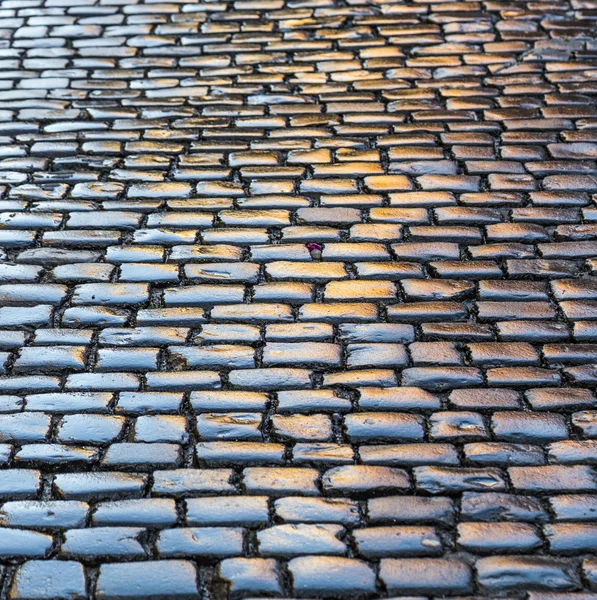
{"type": "Point", "coordinates": [298, 299]}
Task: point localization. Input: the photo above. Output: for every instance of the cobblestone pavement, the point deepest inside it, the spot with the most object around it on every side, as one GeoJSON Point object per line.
{"type": "Point", "coordinates": [298, 299]}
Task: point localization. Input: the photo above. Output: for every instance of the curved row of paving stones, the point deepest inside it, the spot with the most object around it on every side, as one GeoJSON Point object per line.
{"type": "Point", "coordinates": [298, 299]}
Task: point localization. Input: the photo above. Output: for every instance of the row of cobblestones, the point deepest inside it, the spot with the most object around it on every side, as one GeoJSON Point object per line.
{"type": "Point", "coordinates": [298, 299]}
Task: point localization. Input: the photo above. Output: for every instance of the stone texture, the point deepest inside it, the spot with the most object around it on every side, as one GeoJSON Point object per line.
{"type": "Point", "coordinates": [298, 299]}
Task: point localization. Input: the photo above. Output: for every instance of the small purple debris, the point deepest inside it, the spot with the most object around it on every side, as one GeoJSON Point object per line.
{"type": "Point", "coordinates": [315, 250]}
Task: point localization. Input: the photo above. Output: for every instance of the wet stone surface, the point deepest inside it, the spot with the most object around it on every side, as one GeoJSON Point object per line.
{"type": "Point", "coordinates": [298, 299]}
